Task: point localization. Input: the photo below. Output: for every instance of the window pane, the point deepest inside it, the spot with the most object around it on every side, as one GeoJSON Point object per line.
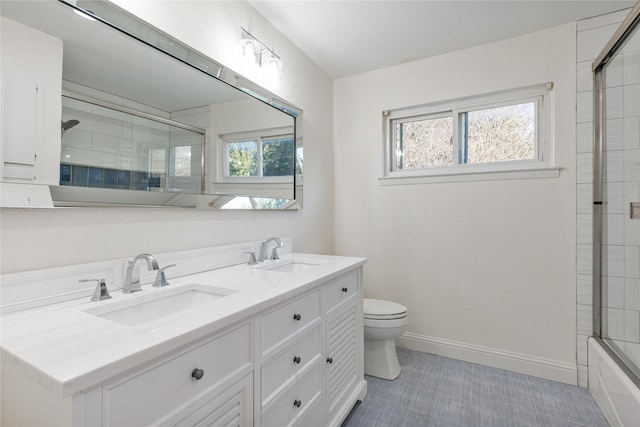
{"type": "Point", "coordinates": [424, 143]}
{"type": "Point", "coordinates": [158, 162]}
{"type": "Point", "coordinates": [182, 159]}
{"type": "Point", "coordinates": [242, 158]}
{"type": "Point", "coordinates": [499, 134]}
{"type": "Point", "coordinates": [277, 157]}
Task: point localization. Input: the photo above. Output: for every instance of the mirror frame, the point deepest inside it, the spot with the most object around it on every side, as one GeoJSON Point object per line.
{"type": "Point", "coordinates": [215, 70]}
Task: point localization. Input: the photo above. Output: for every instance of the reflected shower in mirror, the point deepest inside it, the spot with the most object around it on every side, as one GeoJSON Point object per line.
{"type": "Point", "coordinates": [147, 120]}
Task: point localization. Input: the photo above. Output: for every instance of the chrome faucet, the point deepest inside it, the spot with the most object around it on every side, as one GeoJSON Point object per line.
{"type": "Point", "coordinates": [132, 280]}
{"type": "Point", "coordinates": [264, 247]}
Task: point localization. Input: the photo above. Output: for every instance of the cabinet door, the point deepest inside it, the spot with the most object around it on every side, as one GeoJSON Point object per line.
{"type": "Point", "coordinates": [231, 408]}
{"type": "Point", "coordinates": [21, 124]}
{"type": "Point", "coordinates": [341, 362]}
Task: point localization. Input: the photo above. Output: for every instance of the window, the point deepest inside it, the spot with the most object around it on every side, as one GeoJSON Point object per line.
{"type": "Point", "coordinates": [182, 161]}
{"type": "Point", "coordinates": [266, 156]}
{"type": "Point", "coordinates": [500, 132]}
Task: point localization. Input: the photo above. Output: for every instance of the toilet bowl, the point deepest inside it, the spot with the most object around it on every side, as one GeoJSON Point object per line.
{"type": "Point", "coordinates": [384, 321]}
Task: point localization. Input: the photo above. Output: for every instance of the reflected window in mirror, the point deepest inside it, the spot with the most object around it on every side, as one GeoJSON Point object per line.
{"type": "Point", "coordinates": [249, 202]}
{"type": "Point", "coordinates": [260, 156]}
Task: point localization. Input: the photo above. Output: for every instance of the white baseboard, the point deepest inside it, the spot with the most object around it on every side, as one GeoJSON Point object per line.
{"type": "Point", "coordinates": [516, 362]}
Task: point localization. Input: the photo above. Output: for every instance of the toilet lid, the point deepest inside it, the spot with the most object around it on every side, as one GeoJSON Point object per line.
{"type": "Point", "coordinates": [381, 309]}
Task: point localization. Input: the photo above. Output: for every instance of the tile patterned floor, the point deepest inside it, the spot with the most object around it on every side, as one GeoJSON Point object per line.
{"type": "Point", "coordinates": [437, 391]}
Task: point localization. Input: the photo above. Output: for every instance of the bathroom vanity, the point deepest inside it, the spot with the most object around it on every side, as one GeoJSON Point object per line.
{"type": "Point", "coordinates": [275, 344]}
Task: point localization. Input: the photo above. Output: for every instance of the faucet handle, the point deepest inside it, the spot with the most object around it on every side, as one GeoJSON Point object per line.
{"type": "Point", "coordinates": [161, 279]}
{"type": "Point", "coordinates": [274, 254]}
{"type": "Point", "coordinates": [101, 292]}
{"type": "Point", "coordinates": [252, 258]}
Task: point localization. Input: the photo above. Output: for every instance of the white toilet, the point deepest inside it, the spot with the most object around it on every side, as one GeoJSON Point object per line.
{"type": "Point", "coordinates": [383, 322]}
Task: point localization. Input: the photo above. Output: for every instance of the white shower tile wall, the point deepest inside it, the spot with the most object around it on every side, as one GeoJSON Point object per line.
{"type": "Point", "coordinates": [593, 35]}
{"type": "Point", "coordinates": [107, 138]}
{"type": "Point", "coordinates": [198, 117]}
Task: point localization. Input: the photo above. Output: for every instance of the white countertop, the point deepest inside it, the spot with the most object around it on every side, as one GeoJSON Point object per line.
{"type": "Point", "coordinates": [67, 349]}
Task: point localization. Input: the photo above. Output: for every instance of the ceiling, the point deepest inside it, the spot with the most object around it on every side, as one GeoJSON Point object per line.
{"type": "Point", "coordinates": [351, 37]}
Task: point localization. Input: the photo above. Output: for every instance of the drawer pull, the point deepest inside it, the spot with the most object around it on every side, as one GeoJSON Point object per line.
{"type": "Point", "coordinates": [345, 290]}
{"type": "Point", "coordinates": [297, 403]}
{"type": "Point", "coordinates": [197, 374]}
{"type": "Point", "coordinates": [329, 360]}
{"type": "Point", "coordinates": [297, 317]}
{"type": "Point", "coordinates": [296, 359]}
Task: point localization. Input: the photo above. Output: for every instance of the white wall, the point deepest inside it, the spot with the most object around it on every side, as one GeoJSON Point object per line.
{"type": "Point", "coordinates": [33, 239]}
{"type": "Point", "coordinates": [489, 265]}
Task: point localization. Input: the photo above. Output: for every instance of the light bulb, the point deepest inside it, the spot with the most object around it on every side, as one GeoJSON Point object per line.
{"type": "Point", "coordinates": [272, 71]}
{"type": "Point", "coordinates": [249, 51]}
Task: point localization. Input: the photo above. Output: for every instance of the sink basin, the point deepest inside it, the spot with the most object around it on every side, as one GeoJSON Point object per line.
{"type": "Point", "coordinates": [147, 308]}
{"type": "Point", "coordinates": [290, 266]}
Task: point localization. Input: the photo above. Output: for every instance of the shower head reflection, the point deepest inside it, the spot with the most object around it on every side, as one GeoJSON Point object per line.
{"type": "Point", "coordinates": [65, 126]}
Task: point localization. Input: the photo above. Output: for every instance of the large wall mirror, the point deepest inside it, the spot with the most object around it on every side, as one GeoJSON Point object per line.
{"type": "Point", "coordinates": [147, 120]}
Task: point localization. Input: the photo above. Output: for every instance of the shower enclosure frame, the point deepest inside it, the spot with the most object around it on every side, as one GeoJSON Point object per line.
{"type": "Point", "coordinates": [620, 36]}
{"type": "Point", "coordinates": [149, 116]}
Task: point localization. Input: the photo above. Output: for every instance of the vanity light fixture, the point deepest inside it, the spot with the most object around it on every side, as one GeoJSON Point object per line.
{"type": "Point", "coordinates": [257, 54]}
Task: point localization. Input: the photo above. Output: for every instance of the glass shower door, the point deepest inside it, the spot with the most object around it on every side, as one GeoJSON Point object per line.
{"type": "Point", "coordinates": [617, 201]}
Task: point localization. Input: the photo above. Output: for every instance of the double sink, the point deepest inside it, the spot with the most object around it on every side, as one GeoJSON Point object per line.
{"type": "Point", "coordinates": [148, 308]}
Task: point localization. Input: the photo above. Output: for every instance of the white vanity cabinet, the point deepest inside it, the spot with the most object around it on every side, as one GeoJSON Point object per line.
{"type": "Point", "coordinates": [344, 344]}
{"type": "Point", "coordinates": [291, 357]}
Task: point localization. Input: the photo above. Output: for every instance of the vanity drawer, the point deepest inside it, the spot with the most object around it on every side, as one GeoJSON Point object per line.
{"type": "Point", "coordinates": [296, 402]}
{"type": "Point", "coordinates": [152, 394]}
{"type": "Point", "coordinates": [284, 368]}
{"type": "Point", "coordinates": [342, 289]}
{"type": "Point", "coordinates": [285, 322]}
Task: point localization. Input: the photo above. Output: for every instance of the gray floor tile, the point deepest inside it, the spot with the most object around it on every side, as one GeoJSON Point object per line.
{"type": "Point", "coordinates": [375, 413]}
{"type": "Point", "coordinates": [555, 422]}
{"type": "Point", "coordinates": [449, 405]}
{"type": "Point", "coordinates": [437, 391]}
{"type": "Point", "coordinates": [576, 406]}
{"type": "Point", "coordinates": [543, 382]}
{"type": "Point", "coordinates": [489, 412]}
{"type": "Point", "coordinates": [393, 392]}
{"type": "Point", "coordinates": [416, 419]}
{"type": "Point", "coordinates": [504, 391]}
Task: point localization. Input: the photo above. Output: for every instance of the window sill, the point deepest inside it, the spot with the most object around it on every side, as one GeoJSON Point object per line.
{"type": "Point", "coordinates": [471, 176]}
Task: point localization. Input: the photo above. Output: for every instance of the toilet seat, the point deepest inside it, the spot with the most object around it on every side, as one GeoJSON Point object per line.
{"type": "Point", "coordinates": [377, 309]}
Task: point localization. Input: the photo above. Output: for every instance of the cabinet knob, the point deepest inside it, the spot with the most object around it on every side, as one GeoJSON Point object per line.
{"type": "Point", "coordinates": [197, 373]}
{"type": "Point", "coordinates": [345, 290]}
{"type": "Point", "coordinates": [329, 360]}
{"type": "Point", "coordinates": [297, 403]}
{"type": "Point", "coordinates": [296, 359]}
{"type": "Point", "coordinates": [297, 317]}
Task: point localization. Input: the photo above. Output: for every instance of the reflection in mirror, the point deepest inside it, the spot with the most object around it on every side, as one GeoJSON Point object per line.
{"type": "Point", "coordinates": [146, 120]}
{"type": "Point", "coordinates": [108, 146]}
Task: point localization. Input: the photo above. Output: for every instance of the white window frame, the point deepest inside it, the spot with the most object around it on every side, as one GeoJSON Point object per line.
{"type": "Point", "coordinates": [542, 165]}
